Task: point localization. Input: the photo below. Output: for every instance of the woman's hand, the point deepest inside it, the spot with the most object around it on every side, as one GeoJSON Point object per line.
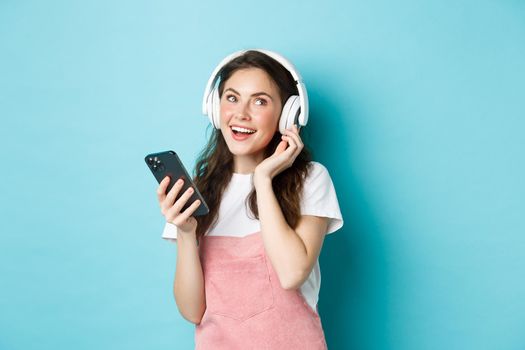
{"type": "Point", "coordinates": [171, 209]}
{"type": "Point", "coordinates": [283, 157]}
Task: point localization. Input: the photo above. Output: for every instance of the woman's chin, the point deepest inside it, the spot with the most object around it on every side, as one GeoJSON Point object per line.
{"type": "Point", "coordinates": [245, 152]}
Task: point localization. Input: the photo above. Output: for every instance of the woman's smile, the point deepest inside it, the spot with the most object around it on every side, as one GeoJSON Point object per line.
{"type": "Point", "coordinates": [240, 133]}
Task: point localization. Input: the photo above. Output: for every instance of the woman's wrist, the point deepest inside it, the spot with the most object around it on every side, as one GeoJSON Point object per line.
{"type": "Point", "coordinates": [261, 176]}
{"type": "Point", "coordinates": [186, 235]}
{"type": "Point", "coordinates": [261, 181]}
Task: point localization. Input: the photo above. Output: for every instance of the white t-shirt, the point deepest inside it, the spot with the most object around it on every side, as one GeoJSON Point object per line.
{"type": "Point", "coordinates": [319, 199]}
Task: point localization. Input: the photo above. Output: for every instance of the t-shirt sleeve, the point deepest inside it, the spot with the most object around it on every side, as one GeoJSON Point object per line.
{"type": "Point", "coordinates": [319, 197]}
{"type": "Point", "coordinates": [170, 232]}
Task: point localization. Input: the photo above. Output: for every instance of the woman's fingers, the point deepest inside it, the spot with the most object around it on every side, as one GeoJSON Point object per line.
{"type": "Point", "coordinates": [186, 214]}
{"type": "Point", "coordinates": [171, 208]}
{"type": "Point", "coordinates": [284, 155]}
{"type": "Point", "coordinates": [294, 147]}
{"type": "Point", "coordinates": [281, 147]}
{"type": "Point", "coordinates": [174, 192]}
{"type": "Point", "coordinates": [161, 190]}
{"type": "Point", "coordinates": [295, 139]}
{"type": "Point", "coordinates": [175, 210]}
{"type": "Point", "coordinates": [294, 134]}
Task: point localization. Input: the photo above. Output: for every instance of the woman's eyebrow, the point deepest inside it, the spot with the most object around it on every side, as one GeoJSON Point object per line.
{"type": "Point", "coordinates": [255, 94]}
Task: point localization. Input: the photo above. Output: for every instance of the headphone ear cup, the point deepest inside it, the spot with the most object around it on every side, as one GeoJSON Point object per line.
{"type": "Point", "coordinates": [214, 109]}
{"type": "Point", "coordinates": [290, 112]}
{"type": "Point", "coordinates": [209, 107]}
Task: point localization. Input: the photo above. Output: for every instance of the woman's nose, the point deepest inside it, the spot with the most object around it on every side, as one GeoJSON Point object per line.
{"type": "Point", "coordinates": [243, 111]}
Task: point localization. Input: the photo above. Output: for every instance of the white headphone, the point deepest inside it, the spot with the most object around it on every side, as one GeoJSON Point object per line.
{"type": "Point", "coordinates": [295, 110]}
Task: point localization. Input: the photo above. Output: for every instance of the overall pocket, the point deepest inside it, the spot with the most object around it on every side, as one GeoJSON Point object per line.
{"type": "Point", "coordinates": [238, 288]}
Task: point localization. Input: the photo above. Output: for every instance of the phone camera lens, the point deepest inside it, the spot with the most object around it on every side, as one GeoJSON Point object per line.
{"type": "Point", "coordinates": [157, 165]}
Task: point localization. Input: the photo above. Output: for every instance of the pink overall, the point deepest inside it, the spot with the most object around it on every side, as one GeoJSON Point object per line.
{"type": "Point", "coordinates": [246, 307]}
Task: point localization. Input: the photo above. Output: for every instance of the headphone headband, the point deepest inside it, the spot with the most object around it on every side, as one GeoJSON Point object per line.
{"type": "Point", "coordinates": [303, 97]}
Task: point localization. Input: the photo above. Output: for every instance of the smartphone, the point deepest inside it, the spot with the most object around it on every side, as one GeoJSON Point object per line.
{"type": "Point", "coordinates": [167, 163]}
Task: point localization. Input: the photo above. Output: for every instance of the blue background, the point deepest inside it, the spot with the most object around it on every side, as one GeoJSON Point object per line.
{"type": "Point", "coordinates": [417, 110]}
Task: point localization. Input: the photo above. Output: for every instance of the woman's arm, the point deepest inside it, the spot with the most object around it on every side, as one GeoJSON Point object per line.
{"type": "Point", "coordinates": [292, 253]}
{"type": "Point", "coordinates": [188, 287]}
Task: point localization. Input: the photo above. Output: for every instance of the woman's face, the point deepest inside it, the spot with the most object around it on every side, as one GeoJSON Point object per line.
{"type": "Point", "coordinates": [250, 108]}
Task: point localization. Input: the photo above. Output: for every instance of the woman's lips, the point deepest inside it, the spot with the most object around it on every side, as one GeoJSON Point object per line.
{"type": "Point", "coordinates": [240, 136]}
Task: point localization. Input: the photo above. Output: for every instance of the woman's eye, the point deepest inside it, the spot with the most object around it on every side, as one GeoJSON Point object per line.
{"type": "Point", "coordinates": [231, 98]}
{"type": "Point", "coordinates": [260, 101]}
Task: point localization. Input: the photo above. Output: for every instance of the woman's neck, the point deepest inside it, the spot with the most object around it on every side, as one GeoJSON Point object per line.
{"type": "Point", "coordinates": [245, 164]}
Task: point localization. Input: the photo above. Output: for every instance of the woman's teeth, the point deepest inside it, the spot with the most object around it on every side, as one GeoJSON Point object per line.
{"type": "Point", "coordinates": [242, 130]}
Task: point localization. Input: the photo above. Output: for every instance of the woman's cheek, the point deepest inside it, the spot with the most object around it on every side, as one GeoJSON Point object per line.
{"type": "Point", "coordinates": [271, 122]}
{"type": "Point", "coordinates": [225, 114]}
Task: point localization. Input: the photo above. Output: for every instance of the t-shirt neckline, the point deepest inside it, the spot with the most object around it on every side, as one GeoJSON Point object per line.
{"type": "Point", "coordinates": [242, 175]}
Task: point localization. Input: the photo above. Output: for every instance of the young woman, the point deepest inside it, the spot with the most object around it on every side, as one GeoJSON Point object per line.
{"type": "Point", "coordinates": [247, 273]}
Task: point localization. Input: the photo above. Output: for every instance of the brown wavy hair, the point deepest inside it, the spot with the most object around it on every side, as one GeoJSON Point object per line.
{"type": "Point", "coordinates": [214, 167]}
